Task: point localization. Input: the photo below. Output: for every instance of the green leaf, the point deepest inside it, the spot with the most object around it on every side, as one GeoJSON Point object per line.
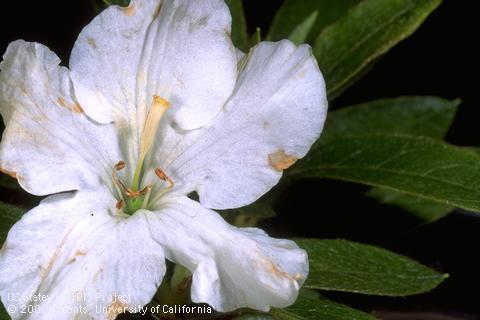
{"type": "Point", "coordinates": [426, 210]}
{"type": "Point", "coordinates": [255, 39]}
{"type": "Point", "coordinates": [249, 216]}
{"type": "Point", "coordinates": [418, 166]}
{"type": "Point", "coordinates": [300, 33]}
{"type": "Point", "coordinates": [342, 265]}
{"type": "Point", "coordinates": [122, 3]}
{"type": "Point", "coordinates": [239, 24]}
{"type": "Point", "coordinates": [3, 313]}
{"type": "Point", "coordinates": [316, 307]}
{"type": "Point", "coordinates": [365, 33]}
{"type": "Point", "coordinates": [99, 5]}
{"type": "Point", "coordinates": [8, 182]}
{"type": "Point", "coordinates": [422, 116]}
{"type": "Point", "coordinates": [295, 13]}
{"type": "Point", "coordinates": [257, 316]}
{"type": "Point", "coordinates": [9, 214]}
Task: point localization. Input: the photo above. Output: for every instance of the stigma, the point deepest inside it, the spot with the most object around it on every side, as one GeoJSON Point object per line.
{"type": "Point", "coordinates": [155, 114]}
{"type": "Point", "coordinates": [152, 122]}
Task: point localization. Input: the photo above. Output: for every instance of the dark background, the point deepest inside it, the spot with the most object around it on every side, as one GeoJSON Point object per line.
{"type": "Point", "coordinates": [439, 59]}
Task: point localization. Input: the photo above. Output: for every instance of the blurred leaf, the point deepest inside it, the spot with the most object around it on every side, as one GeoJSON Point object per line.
{"type": "Point", "coordinates": [294, 13]}
{"type": "Point", "coordinates": [122, 3]}
{"type": "Point", "coordinates": [252, 316]}
{"type": "Point", "coordinates": [239, 24]}
{"type": "Point", "coordinates": [99, 5]}
{"type": "Point", "coordinates": [316, 307]}
{"type": "Point", "coordinates": [9, 214]}
{"type": "Point", "coordinates": [8, 182]}
{"type": "Point", "coordinates": [342, 265]}
{"type": "Point", "coordinates": [418, 166]}
{"type": "Point", "coordinates": [422, 116]}
{"type": "Point", "coordinates": [97, 8]}
{"type": "Point", "coordinates": [3, 313]}
{"type": "Point", "coordinates": [255, 39]}
{"type": "Point", "coordinates": [364, 33]}
{"type": "Point", "coordinates": [251, 215]}
{"type": "Point", "coordinates": [300, 33]}
{"type": "Point", "coordinates": [426, 210]}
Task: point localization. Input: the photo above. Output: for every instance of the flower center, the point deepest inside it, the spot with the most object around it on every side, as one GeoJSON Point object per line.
{"type": "Point", "coordinates": [135, 198]}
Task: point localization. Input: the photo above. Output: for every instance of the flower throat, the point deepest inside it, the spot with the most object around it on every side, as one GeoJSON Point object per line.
{"type": "Point", "coordinates": [135, 197]}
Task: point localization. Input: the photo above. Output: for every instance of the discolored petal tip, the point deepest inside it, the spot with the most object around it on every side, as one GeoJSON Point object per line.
{"type": "Point", "coordinates": [280, 161]}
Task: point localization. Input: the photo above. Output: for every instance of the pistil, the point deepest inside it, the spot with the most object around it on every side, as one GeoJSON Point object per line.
{"type": "Point", "coordinates": [135, 198]}
{"type": "Point", "coordinates": [157, 110]}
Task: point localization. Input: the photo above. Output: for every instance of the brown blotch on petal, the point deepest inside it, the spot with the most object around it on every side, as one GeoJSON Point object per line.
{"type": "Point", "coordinates": [116, 308]}
{"type": "Point", "coordinates": [97, 274]}
{"type": "Point", "coordinates": [74, 107]}
{"type": "Point", "coordinates": [77, 254]}
{"type": "Point", "coordinates": [77, 108]}
{"type": "Point", "coordinates": [92, 43]}
{"type": "Point", "coordinates": [156, 13]}
{"type": "Point", "coordinates": [62, 102]}
{"type": "Point", "coordinates": [280, 160]}
{"type": "Point", "coordinates": [12, 174]}
{"type": "Point", "coordinates": [275, 269]}
{"type": "Point", "coordinates": [129, 11]}
{"type": "Point", "coordinates": [298, 277]}
{"type": "Point", "coordinates": [301, 74]}
{"type": "Point", "coordinates": [45, 269]}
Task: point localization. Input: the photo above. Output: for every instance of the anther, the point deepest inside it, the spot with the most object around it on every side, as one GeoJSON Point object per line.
{"type": "Point", "coordinates": [135, 194]}
{"type": "Point", "coordinates": [123, 188]}
{"type": "Point", "coordinates": [162, 176]}
{"type": "Point", "coordinates": [120, 165]}
{"type": "Point", "coordinates": [119, 204]}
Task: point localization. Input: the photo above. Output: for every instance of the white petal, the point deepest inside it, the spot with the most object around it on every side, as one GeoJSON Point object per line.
{"type": "Point", "coordinates": [179, 50]}
{"type": "Point", "coordinates": [49, 144]}
{"type": "Point", "coordinates": [71, 250]}
{"type": "Point", "coordinates": [190, 60]}
{"type": "Point", "coordinates": [276, 113]}
{"type": "Point", "coordinates": [232, 267]}
{"type": "Point", "coordinates": [106, 57]}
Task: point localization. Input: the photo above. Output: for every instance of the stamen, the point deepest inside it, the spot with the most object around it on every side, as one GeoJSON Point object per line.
{"type": "Point", "coordinates": [119, 204]}
{"type": "Point", "coordinates": [146, 199]}
{"type": "Point", "coordinates": [116, 181]}
{"type": "Point", "coordinates": [162, 176]}
{"type": "Point", "coordinates": [158, 108]}
{"type": "Point", "coordinates": [134, 194]}
{"type": "Point", "coordinates": [144, 190]}
{"type": "Point", "coordinates": [120, 165]}
{"type": "Point", "coordinates": [123, 188]}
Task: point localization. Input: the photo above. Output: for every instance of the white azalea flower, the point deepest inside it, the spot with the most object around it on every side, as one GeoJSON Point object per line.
{"type": "Point", "coordinates": [155, 105]}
